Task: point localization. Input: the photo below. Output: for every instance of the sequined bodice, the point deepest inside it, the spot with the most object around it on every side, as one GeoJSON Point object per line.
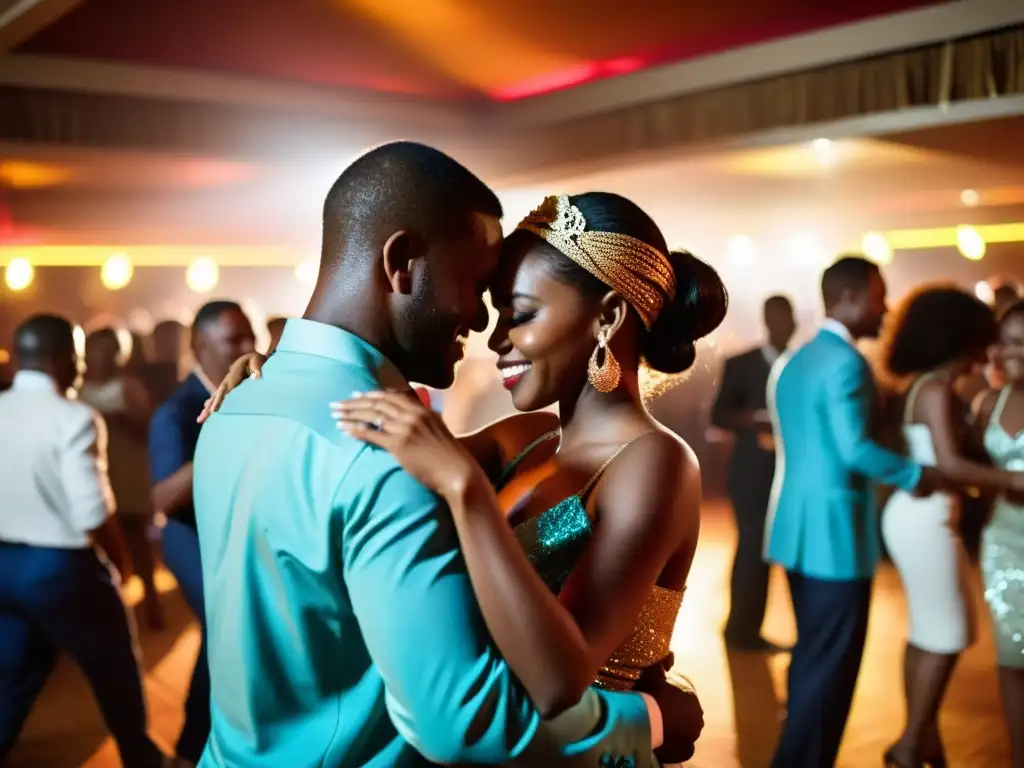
{"type": "Point", "coordinates": [554, 542]}
{"type": "Point", "coordinates": [1005, 450]}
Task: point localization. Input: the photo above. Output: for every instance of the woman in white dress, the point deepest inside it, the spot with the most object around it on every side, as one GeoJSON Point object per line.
{"type": "Point", "coordinates": [936, 335]}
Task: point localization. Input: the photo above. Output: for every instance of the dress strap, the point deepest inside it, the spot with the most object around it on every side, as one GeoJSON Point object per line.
{"type": "Point", "coordinates": [600, 471]}
{"type": "Point", "coordinates": [510, 468]}
{"type": "Point", "coordinates": [997, 409]}
{"type": "Point", "coordinates": [908, 406]}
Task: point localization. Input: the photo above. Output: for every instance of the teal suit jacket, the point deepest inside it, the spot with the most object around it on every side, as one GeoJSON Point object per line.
{"type": "Point", "coordinates": [342, 626]}
{"type": "Point", "coordinates": [821, 519]}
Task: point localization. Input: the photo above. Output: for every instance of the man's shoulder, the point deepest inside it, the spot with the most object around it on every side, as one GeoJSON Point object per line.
{"type": "Point", "coordinates": [180, 399]}
{"type": "Point", "coordinates": [373, 471]}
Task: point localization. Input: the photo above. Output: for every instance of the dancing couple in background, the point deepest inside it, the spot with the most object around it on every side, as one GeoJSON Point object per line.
{"type": "Point", "coordinates": [454, 598]}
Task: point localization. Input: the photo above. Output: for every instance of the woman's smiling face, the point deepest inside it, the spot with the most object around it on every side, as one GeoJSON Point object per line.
{"type": "Point", "coordinates": [546, 329]}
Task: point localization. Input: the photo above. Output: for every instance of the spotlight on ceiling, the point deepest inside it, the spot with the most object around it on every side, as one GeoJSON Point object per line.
{"type": "Point", "coordinates": [876, 248]}
{"type": "Point", "coordinates": [970, 242]}
{"type": "Point", "coordinates": [202, 275]}
{"type": "Point", "coordinates": [19, 274]}
{"type": "Point", "coordinates": [116, 272]}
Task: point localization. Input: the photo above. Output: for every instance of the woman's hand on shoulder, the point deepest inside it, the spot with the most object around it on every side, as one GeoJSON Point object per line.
{"type": "Point", "coordinates": [247, 366]}
{"type": "Point", "coordinates": [416, 436]}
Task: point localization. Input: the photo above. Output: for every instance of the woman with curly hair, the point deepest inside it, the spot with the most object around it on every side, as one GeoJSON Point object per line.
{"type": "Point", "coordinates": [936, 335]}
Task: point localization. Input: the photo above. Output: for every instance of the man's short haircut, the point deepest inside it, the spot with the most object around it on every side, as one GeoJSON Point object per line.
{"type": "Point", "coordinates": [44, 337]}
{"type": "Point", "coordinates": [777, 302]}
{"type": "Point", "coordinates": [849, 273]}
{"type": "Point", "coordinates": [211, 312]}
{"type": "Point", "coordinates": [401, 185]}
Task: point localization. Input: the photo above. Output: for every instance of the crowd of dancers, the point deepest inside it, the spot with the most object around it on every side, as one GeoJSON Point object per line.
{"type": "Point", "coordinates": [372, 590]}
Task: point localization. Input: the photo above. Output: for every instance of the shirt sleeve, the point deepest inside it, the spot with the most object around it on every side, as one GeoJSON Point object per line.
{"type": "Point", "coordinates": [849, 402]}
{"type": "Point", "coordinates": [448, 691]}
{"type": "Point", "coordinates": [168, 448]}
{"type": "Point", "coordinates": [84, 469]}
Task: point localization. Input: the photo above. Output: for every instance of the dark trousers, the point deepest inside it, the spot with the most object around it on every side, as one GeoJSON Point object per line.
{"type": "Point", "coordinates": [748, 592]}
{"type": "Point", "coordinates": [66, 600]}
{"type": "Point", "coordinates": [832, 623]}
{"type": "Point", "coordinates": [181, 556]}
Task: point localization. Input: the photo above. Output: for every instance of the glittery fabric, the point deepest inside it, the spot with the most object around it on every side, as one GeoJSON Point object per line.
{"type": "Point", "coordinates": [647, 645]}
{"type": "Point", "coordinates": [1002, 550]}
{"type": "Point", "coordinates": [554, 542]}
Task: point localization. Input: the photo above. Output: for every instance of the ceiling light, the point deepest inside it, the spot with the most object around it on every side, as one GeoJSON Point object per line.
{"type": "Point", "coordinates": [306, 273]}
{"type": "Point", "coordinates": [116, 272]}
{"type": "Point", "coordinates": [19, 274]}
{"type": "Point", "coordinates": [877, 248]}
{"type": "Point", "coordinates": [202, 275]}
{"type": "Point", "coordinates": [970, 198]}
{"type": "Point", "coordinates": [970, 242]}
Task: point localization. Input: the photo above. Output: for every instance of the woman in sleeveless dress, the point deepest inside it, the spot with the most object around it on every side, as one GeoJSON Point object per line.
{"type": "Point", "coordinates": [936, 335]}
{"type": "Point", "coordinates": [1001, 424]}
{"type": "Point", "coordinates": [586, 583]}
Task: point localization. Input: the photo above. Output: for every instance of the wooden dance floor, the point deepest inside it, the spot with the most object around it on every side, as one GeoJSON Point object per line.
{"type": "Point", "coordinates": [741, 693]}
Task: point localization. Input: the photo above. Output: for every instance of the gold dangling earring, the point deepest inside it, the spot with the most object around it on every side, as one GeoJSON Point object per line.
{"type": "Point", "coordinates": [604, 373]}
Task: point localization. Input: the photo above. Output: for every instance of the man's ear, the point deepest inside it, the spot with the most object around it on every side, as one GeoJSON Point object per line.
{"type": "Point", "coordinates": [398, 254]}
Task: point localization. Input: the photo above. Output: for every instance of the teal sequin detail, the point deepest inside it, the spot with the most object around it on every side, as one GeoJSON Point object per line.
{"type": "Point", "coordinates": [607, 761]}
{"type": "Point", "coordinates": [555, 540]}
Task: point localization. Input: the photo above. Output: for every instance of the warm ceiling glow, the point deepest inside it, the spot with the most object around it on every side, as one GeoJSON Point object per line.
{"type": "Point", "coordinates": [803, 249]}
{"type": "Point", "coordinates": [741, 250]}
{"type": "Point", "coordinates": [876, 248]}
{"type": "Point", "coordinates": [152, 255]}
{"type": "Point", "coordinates": [19, 274]}
{"type": "Point", "coordinates": [983, 290]}
{"type": "Point", "coordinates": [116, 272]}
{"type": "Point", "coordinates": [948, 237]}
{"type": "Point", "coordinates": [202, 275]}
{"type": "Point", "coordinates": [970, 198]}
{"type": "Point", "coordinates": [970, 243]}
{"type": "Point", "coordinates": [5, 357]}
{"type": "Point", "coordinates": [22, 175]}
{"type": "Point", "coordinates": [306, 272]}
{"type": "Point", "coordinates": [825, 151]}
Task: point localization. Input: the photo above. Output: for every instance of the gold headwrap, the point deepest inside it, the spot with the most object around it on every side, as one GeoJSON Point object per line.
{"type": "Point", "coordinates": [638, 271]}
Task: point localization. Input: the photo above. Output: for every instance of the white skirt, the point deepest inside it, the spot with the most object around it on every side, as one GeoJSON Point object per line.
{"type": "Point", "coordinates": [924, 543]}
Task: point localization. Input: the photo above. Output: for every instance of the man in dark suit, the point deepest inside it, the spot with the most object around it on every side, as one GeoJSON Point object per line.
{"type": "Point", "coordinates": [741, 409]}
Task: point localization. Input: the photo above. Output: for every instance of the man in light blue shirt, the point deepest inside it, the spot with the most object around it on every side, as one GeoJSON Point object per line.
{"type": "Point", "coordinates": [342, 626]}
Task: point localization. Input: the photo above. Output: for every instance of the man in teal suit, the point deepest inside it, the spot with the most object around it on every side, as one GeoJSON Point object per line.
{"type": "Point", "coordinates": [342, 626]}
{"type": "Point", "coordinates": [823, 527]}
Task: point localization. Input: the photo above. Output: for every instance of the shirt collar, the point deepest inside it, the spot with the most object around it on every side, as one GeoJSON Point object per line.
{"type": "Point", "coordinates": [770, 354]}
{"type": "Point", "coordinates": [34, 381]}
{"type": "Point", "coordinates": [840, 330]}
{"type": "Point", "coordinates": [312, 338]}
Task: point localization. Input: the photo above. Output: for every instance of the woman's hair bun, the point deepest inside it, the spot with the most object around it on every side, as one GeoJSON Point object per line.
{"type": "Point", "coordinates": [698, 308]}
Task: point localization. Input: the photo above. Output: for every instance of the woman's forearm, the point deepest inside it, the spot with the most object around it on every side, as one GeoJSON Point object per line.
{"type": "Point", "coordinates": [963, 471]}
{"type": "Point", "coordinates": [538, 637]}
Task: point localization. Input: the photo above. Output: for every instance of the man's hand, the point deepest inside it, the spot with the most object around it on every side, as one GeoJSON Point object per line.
{"type": "Point", "coordinates": [932, 481]}
{"type": "Point", "coordinates": [682, 714]}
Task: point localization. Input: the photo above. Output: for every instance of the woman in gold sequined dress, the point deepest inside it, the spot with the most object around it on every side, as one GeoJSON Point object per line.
{"type": "Point", "coordinates": [1001, 423]}
{"type": "Point", "coordinates": [603, 501]}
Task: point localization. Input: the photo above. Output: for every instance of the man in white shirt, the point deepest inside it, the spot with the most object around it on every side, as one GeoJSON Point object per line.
{"type": "Point", "coordinates": [56, 592]}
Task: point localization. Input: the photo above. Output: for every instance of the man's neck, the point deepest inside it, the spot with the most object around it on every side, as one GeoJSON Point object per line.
{"type": "Point", "coordinates": [845, 325]}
